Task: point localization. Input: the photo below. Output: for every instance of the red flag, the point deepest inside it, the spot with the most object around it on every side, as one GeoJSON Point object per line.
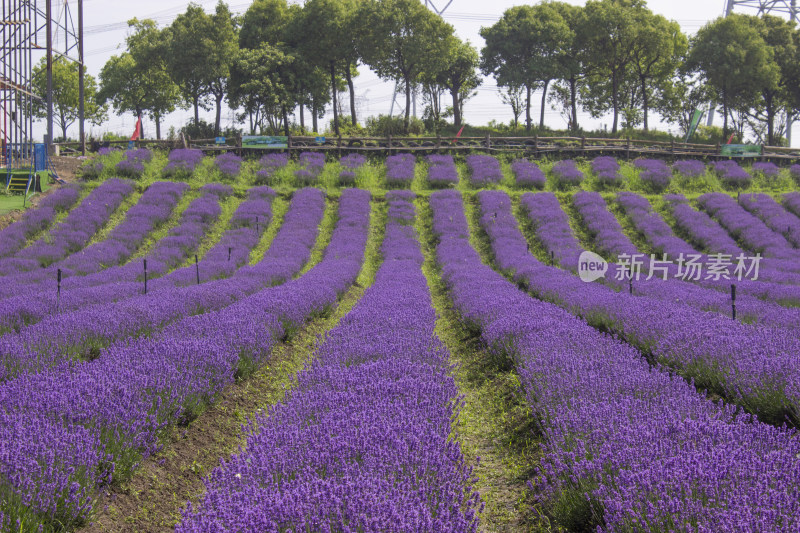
{"type": "Point", "coordinates": [138, 132]}
{"type": "Point", "coordinates": [459, 133]}
{"type": "Point", "coordinates": [731, 139]}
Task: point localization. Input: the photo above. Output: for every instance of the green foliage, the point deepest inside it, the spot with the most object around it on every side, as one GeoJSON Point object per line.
{"type": "Point", "coordinates": [384, 125]}
{"type": "Point", "coordinates": [65, 95]}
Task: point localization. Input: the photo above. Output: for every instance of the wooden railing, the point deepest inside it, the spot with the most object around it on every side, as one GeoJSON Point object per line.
{"type": "Point", "coordinates": [528, 146]}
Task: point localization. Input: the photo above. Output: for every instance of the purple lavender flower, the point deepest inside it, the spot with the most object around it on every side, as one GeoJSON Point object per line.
{"type": "Point", "coordinates": [270, 163]}
{"type": "Point", "coordinates": [311, 166]}
{"type": "Point", "coordinates": [606, 169]}
{"type": "Point", "coordinates": [794, 171]}
{"type": "Point", "coordinates": [400, 170]}
{"type": "Point", "coordinates": [566, 174]}
{"type": "Point", "coordinates": [228, 164]}
{"type": "Point", "coordinates": [442, 171]}
{"type": "Point", "coordinates": [351, 163]}
{"type": "Point", "coordinates": [655, 174]}
{"type": "Point", "coordinates": [766, 169]}
{"type": "Point", "coordinates": [484, 169]}
{"type": "Point", "coordinates": [528, 174]}
{"type": "Point", "coordinates": [132, 164]}
{"type": "Point", "coordinates": [91, 169]}
{"type": "Point", "coordinates": [690, 168]}
{"type": "Point", "coordinates": [182, 163]}
{"type": "Point", "coordinates": [731, 174]}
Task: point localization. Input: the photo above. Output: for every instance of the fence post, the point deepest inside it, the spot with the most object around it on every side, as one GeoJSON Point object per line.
{"type": "Point", "coordinates": [536, 145]}
{"type": "Point", "coordinates": [289, 144]}
{"type": "Point", "coordinates": [583, 143]}
{"type": "Point", "coordinates": [488, 141]}
{"type": "Point", "coordinates": [628, 148]}
{"type": "Point", "coordinates": [672, 147]}
{"type": "Point", "coordinates": [339, 145]}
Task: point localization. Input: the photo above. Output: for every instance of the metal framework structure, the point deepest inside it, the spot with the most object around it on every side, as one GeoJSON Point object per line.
{"type": "Point", "coordinates": [29, 31]}
{"type": "Point", "coordinates": [788, 7]}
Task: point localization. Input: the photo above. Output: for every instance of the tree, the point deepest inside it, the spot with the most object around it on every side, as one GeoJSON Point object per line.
{"type": "Point", "coordinates": [513, 97]}
{"type": "Point", "coordinates": [325, 33]}
{"type": "Point", "coordinates": [569, 61]}
{"type": "Point", "coordinates": [659, 49]}
{"type": "Point", "coordinates": [263, 82]}
{"type": "Point", "coordinates": [266, 21]}
{"type": "Point", "coordinates": [221, 55]}
{"type": "Point", "coordinates": [781, 36]}
{"type": "Point", "coordinates": [399, 36]}
{"type": "Point", "coordinates": [522, 49]}
{"type": "Point", "coordinates": [458, 74]}
{"type": "Point", "coordinates": [198, 39]}
{"type": "Point", "coordinates": [732, 57]}
{"type": "Point", "coordinates": [148, 47]}
{"type": "Point", "coordinates": [66, 100]}
{"type": "Point", "coordinates": [608, 35]}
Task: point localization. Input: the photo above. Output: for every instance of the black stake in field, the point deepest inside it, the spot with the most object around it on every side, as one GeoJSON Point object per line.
{"type": "Point", "coordinates": [733, 301]}
{"type": "Point", "coordinates": [197, 269]}
{"type": "Point", "coordinates": [58, 291]}
{"type": "Point", "coordinates": [145, 276]}
{"type": "Point", "coordinates": [229, 253]}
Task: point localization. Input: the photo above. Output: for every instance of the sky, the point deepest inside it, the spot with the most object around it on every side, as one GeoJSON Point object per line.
{"type": "Point", "coordinates": [106, 28]}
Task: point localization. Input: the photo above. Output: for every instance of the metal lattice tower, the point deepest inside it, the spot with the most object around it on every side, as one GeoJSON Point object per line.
{"type": "Point", "coordinates": [788, 7]}
{"type": "Point", "coordinates": [29, 31]}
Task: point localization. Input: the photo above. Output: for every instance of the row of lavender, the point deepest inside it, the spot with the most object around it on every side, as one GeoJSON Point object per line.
{"type": "Point", "coordinates": [82, 333]}
{"type": "Point", "coordinates": [96, 419]}
{"type": "Point", "coordinates": [627, 447]}
{"type": "Point", "coordinates": [655, 175]}
{"type": "Point", "coordinates": [364, 442]}
{"type": "Point", "coordinates": [32, 297]}
{"type": "Point", "coordinates": [752, 365]}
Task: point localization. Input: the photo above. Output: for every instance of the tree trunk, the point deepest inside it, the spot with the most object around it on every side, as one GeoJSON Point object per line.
{"type": "Point", "coordinates": [314, 113]}
{"type": "Point", "coordinates": [645, 103]}
{"type": "Point", "coordinates": [333, 98]}
{"type": "Point", "coordinates": [528, 108]}
{"type": "Point", "coordinates": [302, 120]}
{"type": "Point", "coordinates": [456, 109]}
{"type": "Point", "coordinates": [573, 90]}
{"type": "Point", "coordinates": [219, 115]}
{"type": "Point", "coordinates": [64, 128]}
{"type": "Point", "coordinates": [252, 128]}
{"type": "Point", "coordinates": [196, 102]}
{"type": "Point", "coordinates": [725, 118]}
{"type": "Point", "coordinates": [614, 102]}
{"type": "Point", "coordinates": [348, 75]}
{"type": "Point", "coordinates": [408, 106]}
{"type": "Point", "coordinates": [544, 100]}
{"type": "Point", "coordinates": [770, 120]}
{"type": "Point", "coordinates": [157, 118]}
{"type": "Point", "coordinates": [285, 120]}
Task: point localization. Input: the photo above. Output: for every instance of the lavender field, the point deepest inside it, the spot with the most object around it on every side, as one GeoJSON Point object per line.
{"type": "Point", "coordinates": [403, 343]}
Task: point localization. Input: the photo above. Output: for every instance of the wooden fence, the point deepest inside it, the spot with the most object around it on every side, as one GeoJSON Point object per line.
{"type": "Point", "coordinates": [524, 146]}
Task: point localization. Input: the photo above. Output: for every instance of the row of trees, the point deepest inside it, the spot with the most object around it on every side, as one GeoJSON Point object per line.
{"type": "Point", "coordinates": [278, 58]}
{"type": "Point", "coordinates": [618, 56]}
{"type": "Point", "coordinates": [609, 56]}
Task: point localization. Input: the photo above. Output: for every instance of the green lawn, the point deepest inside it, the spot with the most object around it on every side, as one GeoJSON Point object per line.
{"type": "Point", "coordinates": [9, 203]}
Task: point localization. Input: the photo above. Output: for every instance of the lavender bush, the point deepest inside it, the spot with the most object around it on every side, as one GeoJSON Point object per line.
{"type": "Point", "coordinates": [270, 163]}
{"type": "Point", "coordinates": [654, 174]}
{"type": "Point", "coordinates": [351, 163]}
{"type": "Point", "coordinates": [528, 175]}
{"type": "Point", "coordinates": [182, 163]}
{"type": "Point", "coordinates": [731, 174]}
{"type": "Point", "coordinates": [441, 171]}
{"type": "Point", "coordinates": [566, 174]}
{"type": "Point", "coordinates": [400, 171]}
{"type": "Point", "coordinates": [132, 164]}
{"type": "Point", "coordinates": [606, 170]}
{"type": "Point", "coordinates": [766, 169]}
{"type": "Point", "coordinates": [794, 171]}
{"type": "Point", "coordinates": [690, 168]}
{"type": "Point", "coordinates": [311, 165]}
{"type": "Point", "coordinates": [484, 170]}
{"type": "Point", "coordinates": [229, 164]}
